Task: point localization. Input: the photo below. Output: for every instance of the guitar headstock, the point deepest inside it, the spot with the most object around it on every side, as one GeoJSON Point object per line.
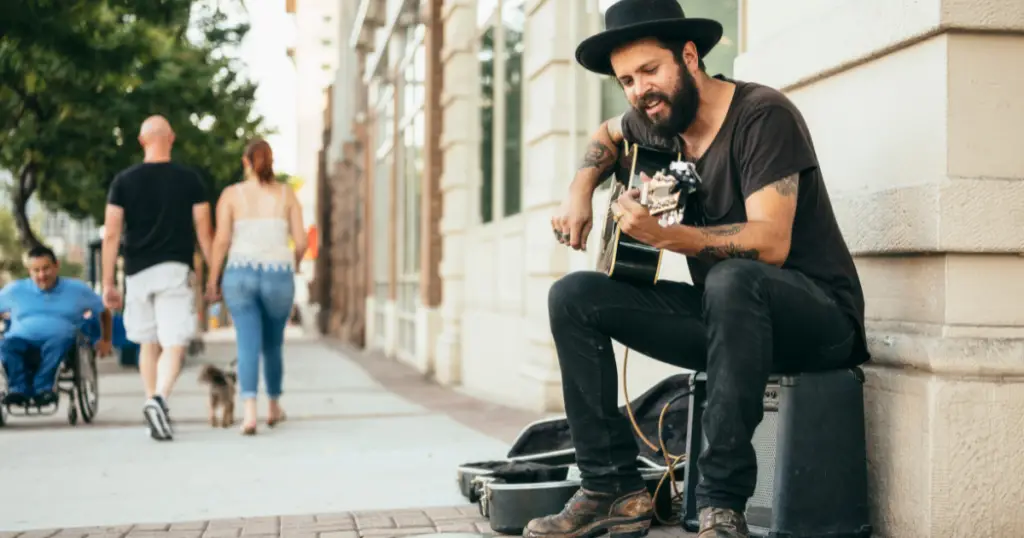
{"type": "Point", "coordinates": [667, 190]}
{"type": "Point", "coordinates": [665, 180]}
{"type": "Point", "coordinates": [660, 194]}
{"type": "Point", "coordinates": [687, 178]}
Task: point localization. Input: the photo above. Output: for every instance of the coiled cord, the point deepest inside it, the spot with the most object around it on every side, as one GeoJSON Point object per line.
{"type": "Point", "coordinates": [671, 460]}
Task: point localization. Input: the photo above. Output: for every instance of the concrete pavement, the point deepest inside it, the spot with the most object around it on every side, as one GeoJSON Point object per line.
{"type": "Point", "coordinates": [349, 443]}
{"type": "Point", "coordinates": [369, 449]}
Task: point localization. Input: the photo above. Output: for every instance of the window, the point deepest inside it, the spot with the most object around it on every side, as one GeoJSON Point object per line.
{"type": "Point", "coordinates": [487, 125]}
{"type": "Point", "coordinates": [410, 66]}
{"type": "Point", "coordinates": [718, 61]}
{"type": "Point", "coordinates": [513, 17]}
{"type": "Point", "coordinates": [412, 126]}
{"type": "Point", "coordinates": [383, 163]}
{"type": "Point", "coordinates": [412, 171]}
{"type": "Point", "coordinates": [501, 25]}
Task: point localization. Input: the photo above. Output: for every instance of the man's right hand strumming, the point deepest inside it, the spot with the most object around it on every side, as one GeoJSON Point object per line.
{"type": "Point", "coordinates": [574, 219]}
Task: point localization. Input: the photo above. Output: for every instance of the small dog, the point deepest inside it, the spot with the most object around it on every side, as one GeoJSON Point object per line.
{"type": "Point", "coordinates": [222, 393]}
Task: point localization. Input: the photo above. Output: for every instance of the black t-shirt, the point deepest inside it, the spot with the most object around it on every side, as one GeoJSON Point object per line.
{"type": "Point", "coordinates": [764, 139]}
{"type": "Point", "coordinates": [157, 200]}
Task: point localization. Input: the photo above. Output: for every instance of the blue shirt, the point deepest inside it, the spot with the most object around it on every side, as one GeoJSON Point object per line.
{"type": "Point", "coordinates": [39, 316]}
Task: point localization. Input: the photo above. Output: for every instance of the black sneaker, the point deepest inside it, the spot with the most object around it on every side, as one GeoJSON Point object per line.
{"type": "Point", "coordinates": [45, 399]}
{"type": "Point", "coordinates": [16, 399]}
{"type": "Point", "coordinates": [156, 416]}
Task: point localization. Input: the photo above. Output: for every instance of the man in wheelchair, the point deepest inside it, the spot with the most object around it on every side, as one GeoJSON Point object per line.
{"type": "Point", "coordinates": [46, 312]}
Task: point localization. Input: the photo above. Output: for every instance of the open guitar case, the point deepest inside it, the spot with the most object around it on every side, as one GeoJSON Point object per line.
{"type": "Point", "coordinates": [538, 475]}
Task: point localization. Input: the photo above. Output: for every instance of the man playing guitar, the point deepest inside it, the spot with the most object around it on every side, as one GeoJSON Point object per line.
{"type": "Point", "coordinates": [774, 286]}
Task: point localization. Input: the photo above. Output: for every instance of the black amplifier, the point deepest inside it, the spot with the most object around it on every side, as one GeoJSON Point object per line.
{"type": "Point", "coordinates": [811, 457]}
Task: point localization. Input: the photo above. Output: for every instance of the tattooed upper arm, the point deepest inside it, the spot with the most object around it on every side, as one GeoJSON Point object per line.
{"type": "Point", "coordinates": [787, 186]}
{"type": "Point", "coordinates": [775, 203]}
{"type": "Point", "coordinates": [598, 155]}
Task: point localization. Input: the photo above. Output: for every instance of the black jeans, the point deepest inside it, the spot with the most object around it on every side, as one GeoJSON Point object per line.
{"type": "Point", "coordinates": [748, 320]}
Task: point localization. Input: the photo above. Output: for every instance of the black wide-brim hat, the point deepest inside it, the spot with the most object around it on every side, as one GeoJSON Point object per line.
{"type": "Point", "coordinates": [630, 20]}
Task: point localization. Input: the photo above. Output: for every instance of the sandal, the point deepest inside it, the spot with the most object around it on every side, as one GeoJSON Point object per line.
{"type": "Point", "coordinates": [271, 422]}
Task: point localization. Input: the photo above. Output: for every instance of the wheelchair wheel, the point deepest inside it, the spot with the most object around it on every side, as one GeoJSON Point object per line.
{"type": "Point", "coordinates": [86, 392]}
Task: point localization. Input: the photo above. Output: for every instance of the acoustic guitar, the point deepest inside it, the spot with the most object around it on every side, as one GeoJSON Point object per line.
{"type": "Point", "coordinates": [665, 181]}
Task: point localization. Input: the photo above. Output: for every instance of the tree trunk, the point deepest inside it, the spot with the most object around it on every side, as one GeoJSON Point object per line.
{"type": "Point", "coordinates": [25, 188]}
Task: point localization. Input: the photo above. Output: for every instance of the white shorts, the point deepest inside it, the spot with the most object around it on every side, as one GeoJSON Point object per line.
{"type": "Point", "coordinates": [159, 306]}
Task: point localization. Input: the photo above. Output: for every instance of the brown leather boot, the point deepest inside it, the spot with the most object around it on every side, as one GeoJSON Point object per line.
{"type": "Point", "coordinates": [722, 523]}
{"type": "Point", "coordinates": [589, 513]}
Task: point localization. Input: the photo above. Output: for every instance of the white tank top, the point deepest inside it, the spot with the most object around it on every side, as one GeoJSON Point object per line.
{"type": "Point", "coordinates": [260, 242]}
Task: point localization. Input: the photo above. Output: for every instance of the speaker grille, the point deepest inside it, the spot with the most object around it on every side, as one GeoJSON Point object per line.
{"type": "Point", "coordinates": [759, 506]}
{"type": "Point", "coordinates": [764, 441]}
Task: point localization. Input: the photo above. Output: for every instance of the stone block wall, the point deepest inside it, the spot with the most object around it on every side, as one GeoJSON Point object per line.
{"type": "Point", "coordinates": [915, 110]}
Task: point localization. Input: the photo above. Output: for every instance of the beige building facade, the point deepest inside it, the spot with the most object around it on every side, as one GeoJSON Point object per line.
{"type": "Point", "coordinates": [915, 108]}
{"type": "Point", "coordinates": [315, 52]}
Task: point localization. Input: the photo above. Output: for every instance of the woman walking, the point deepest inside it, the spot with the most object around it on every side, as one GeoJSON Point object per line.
{"type": "Point", "coordinates": [255, 220]}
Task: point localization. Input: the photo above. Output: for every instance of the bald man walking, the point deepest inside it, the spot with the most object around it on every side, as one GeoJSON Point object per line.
{"type": "Point", "coordinates": [162, 209]}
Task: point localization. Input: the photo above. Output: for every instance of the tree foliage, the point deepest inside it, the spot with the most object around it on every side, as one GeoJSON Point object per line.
{"type": "Point", "coordinates": [78, 77]}
{"type": "Point", "coordinates": [12, 263]}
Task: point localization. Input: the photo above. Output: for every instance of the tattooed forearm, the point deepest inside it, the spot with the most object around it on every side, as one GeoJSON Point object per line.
{"type": "Point", "coordinates": [787, 186]}
{"type": "Point", "coordinates": [722, 231]}
{"type": "Point", "coordinates": [742, 240]}
{"type": "Point", "coordinates": [597, 156]}
{"type": "Point", "coordinates": [731, 250]}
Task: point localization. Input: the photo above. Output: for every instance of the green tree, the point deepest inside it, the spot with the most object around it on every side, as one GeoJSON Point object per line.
{"type": "Point", "coordinates": [77, 78]}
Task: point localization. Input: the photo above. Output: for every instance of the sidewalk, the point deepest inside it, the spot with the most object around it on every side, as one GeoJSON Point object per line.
{"type": "Point", "coordinates": [369, 449]}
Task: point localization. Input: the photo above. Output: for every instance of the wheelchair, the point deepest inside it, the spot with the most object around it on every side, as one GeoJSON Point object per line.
{"type": "Point", "coordinates": [77, 378]}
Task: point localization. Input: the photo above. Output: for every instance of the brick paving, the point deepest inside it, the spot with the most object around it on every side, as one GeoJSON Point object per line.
{"type": "Point", "coordinates": [385, 524]}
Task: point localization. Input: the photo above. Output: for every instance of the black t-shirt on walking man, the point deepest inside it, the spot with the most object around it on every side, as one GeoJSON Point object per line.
{"type": "Point", "coordinates": [762, 140]}
{"type": "Point", "coordinates": [157, 200]}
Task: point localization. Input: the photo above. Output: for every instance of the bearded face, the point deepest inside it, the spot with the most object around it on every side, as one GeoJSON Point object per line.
{"type": "Point", "coordinates": [660, 88]}
{"type": "Point", "coordinates": [670, 114]}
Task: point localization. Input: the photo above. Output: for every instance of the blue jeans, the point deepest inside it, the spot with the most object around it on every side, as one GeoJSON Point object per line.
{"type": "Point", "coordinates": [260, 302]}
{"type": "Point", "coordinates": [15, 353]}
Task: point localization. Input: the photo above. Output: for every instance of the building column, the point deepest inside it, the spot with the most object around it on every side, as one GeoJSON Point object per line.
{"type": "Point", "coordinates": [557, 120]}
{"type": "Point", "coordinates": [428, 316]}
{"type": "Point", "coordinates": [358, 256]}
{"type": "Point", "coordinates": [460, 149]}
{"type": "Point", "coordinates": [915, 108]}
{"type": "Point", "coordinates": [365, 129]}
{"type": "Point", "coordinates": [395, 220]}
{"type": "Point", "coordinates": [323, 275]}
